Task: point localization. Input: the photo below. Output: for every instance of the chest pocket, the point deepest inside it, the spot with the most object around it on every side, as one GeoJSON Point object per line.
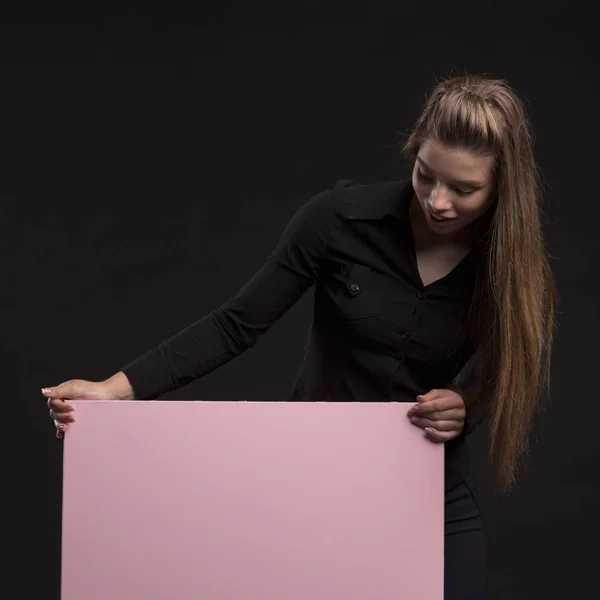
{"type": "Point", "coordinates": [358, 295]}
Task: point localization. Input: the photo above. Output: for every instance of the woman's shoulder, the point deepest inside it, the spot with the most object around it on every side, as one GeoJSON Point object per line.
{"type": "Point", "coordinates": [318, 222]}
{"type": "Point", "coordinates": [354, 200]}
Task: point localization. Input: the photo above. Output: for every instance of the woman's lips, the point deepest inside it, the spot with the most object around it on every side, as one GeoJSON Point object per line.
{"type": "Point", "coordinates": [441, 219]}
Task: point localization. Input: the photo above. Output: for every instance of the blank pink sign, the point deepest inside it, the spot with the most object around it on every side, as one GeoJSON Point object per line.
{"type": "Point", "coordinates": [251, 501]}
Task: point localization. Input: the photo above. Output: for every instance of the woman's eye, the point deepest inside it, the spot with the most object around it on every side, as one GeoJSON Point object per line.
{"type": "Point", "coordinates": [426, 178]}
{"type": "Point", "coordinates": [463, 192]}
{"type": "Point", "coordinates": [423, 176]}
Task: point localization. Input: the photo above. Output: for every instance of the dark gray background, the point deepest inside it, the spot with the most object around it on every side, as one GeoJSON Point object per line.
{"type": "Point", "coordinates": [150, 160]}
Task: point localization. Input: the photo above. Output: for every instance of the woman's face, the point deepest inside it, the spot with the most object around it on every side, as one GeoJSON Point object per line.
{"type": "Point", "coordinates": [454, 186]}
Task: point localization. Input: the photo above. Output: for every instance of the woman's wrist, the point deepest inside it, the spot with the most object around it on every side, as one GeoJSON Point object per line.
{"type": "Point", "coordinates": [120, 387]}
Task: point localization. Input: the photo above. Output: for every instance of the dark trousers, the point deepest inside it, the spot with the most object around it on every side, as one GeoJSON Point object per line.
{"type": "Point", "coordinates": [465, 570]}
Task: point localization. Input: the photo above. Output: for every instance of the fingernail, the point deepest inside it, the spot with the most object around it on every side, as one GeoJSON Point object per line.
{"type": "Point", "coordinates": [45, 390]}
{"type": "Point", "coordinates": [420, 397]}
{"type": "Point", "coordinates": [414, 419]}
{"type": "Point", "coordinates": [427, 430]}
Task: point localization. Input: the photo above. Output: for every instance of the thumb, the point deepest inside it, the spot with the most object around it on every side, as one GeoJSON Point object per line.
{"type": "Point", "coordinates": [68, 389]}
{"type": "Point", "coordinates": [431, 395]}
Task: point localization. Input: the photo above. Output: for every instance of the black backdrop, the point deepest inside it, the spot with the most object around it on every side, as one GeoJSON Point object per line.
{"type": "Point", "coordinates": [150, 161]}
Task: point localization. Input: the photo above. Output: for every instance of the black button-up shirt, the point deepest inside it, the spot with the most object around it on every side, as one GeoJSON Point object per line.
{"type": "Point", "coordinates": [378, 334]}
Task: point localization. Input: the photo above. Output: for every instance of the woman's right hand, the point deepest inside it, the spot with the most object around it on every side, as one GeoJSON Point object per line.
{"type": "Point", "coordinates": [115, 388]}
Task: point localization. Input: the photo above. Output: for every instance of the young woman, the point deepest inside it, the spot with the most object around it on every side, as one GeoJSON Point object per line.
{"type": "Point", "coordinates": [436, 288]}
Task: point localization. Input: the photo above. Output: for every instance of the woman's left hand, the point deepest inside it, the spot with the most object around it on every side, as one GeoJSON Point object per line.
{"type": "Point", "coordinates": [441, 413]}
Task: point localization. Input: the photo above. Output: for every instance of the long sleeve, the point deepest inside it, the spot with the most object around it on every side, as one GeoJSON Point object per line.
{"type": "Point", "coordinates": [237, 324]}
{"type": "Point", "coordinates": [466, 384]}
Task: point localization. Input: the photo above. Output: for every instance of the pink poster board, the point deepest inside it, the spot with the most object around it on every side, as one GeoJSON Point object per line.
{"type": "Point", "coordinates": [179, 500]}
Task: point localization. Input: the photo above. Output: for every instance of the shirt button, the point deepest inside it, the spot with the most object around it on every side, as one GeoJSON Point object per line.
{"type": "Point", "coordinates": [420, 295]}
{"type": "Point", "coordinates": [399, 355]}
{"type": "Point", "coordinates": [405, 335]}
{"type": "Point", "coordinates": [355, 287]}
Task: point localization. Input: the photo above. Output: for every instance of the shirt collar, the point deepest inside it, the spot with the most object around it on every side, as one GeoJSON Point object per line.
{"type": "Point", "coordinates": [387, 198]}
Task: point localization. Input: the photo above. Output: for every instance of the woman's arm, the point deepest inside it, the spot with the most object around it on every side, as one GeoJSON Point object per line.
{"type": "Point", "coordinates": [235, 326]}
{"type": "Point", "coordinates": [227, 331]}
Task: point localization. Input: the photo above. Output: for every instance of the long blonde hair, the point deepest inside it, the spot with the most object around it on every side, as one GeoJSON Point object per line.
{"type": "Point", "coordinates": [514, 306]}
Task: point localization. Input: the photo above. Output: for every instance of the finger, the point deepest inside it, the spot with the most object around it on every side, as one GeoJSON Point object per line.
{"type": "Point", "coordinates": [59, 406]}
{"type": "Point", "coordinates": [430, 395]}
{"type": "Point", "coordinates": [428, 406]}
{"type": "Point", "coordinates": [62, 417]}
{"type": "Point", "coordinates": [455, 414]}
{"type": "Point", "coordinates": [438, 405]}
{"type": "Point", "coordinates": [440, 436]}
{"type": "Point", "coordinates": [438, 425]}
{"type": "Point", "coordinates": [61, 428]}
